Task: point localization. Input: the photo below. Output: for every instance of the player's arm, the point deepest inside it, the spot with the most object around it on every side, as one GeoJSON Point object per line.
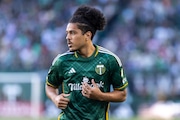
{"type": "Point", "coordinates": [114, 96]}
{"type": "Point", "coordinates": [95, 93]}
{"type": "Point", "coordinates": [61, 101]}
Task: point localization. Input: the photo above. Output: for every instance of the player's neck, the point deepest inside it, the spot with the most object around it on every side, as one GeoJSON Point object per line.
{"type": "Point", "coordinates": [87, 51]}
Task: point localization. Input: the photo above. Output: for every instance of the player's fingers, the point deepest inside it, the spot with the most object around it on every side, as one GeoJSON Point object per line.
{"type": "Point", "coordinates": [66, 97]}
{"type": "Point", "coordinates": [62, 106]}
{"type": "Point", "coordinates": [85, 87]}
{"type": "Point", "coordinates": [65, 102]}
{"type": "Point", "coordinates": [85, 94]}
{"type": "Point", "coordinates": [94, 84]}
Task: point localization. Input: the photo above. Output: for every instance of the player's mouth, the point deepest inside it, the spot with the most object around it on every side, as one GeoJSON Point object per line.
{"type": "Point", "coordinates": [69, 45]}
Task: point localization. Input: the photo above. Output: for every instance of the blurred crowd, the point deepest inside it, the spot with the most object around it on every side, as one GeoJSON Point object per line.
{"type": "Point", "coordinates": [143, 33]}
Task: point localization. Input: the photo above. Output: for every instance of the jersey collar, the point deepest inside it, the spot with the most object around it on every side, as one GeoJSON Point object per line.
{"type": "Point", "coordinates": [93, 55]}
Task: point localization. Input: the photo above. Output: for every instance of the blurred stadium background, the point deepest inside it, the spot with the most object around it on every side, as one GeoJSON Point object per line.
{"type": "Point", "coordinates": [143, 33]}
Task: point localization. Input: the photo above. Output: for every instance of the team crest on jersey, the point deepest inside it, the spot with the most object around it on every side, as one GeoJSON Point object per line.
{"type": "Point", "coordinates": [100, 69]}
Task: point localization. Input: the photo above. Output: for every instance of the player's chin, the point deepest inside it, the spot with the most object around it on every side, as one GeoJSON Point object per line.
{"type": "Point", "coordinates": [71, 49]}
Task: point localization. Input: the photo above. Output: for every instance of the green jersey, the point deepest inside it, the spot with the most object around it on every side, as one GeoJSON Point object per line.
{"type": "Point", "coordinates": [70, 70]}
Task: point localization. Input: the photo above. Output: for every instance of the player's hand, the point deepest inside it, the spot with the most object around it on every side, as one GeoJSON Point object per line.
{"type": "Point", "coordinates": [92, 92]}
{"type": "Point", "coordinates": [61, 101]}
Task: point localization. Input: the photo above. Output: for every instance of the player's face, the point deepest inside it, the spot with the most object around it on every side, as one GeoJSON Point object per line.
{"type": "Point", "coordinates": [75, 39]}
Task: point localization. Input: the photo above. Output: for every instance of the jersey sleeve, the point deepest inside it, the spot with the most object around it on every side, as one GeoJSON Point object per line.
{"type": "Point", "coordinates": [119, 80]}
{"type": "Point", "coordinates": [54, 77]}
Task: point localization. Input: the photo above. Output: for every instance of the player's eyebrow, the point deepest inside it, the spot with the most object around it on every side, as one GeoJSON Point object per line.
{"type": "Point", "coordinates": [69, 30]}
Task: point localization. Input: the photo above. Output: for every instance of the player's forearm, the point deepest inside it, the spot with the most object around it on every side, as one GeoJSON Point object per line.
{"type": "Point", "coordinates": [51, 92]}
{"type": "Point", "coordinates": [114, 96]}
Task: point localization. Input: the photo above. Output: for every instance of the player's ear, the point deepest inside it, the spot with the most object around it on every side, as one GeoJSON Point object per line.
{"type": "Point", "coordinates": [88, 35]}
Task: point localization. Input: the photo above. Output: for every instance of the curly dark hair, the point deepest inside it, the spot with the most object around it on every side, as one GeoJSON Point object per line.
{"type": "Point", "coordinates": [88, 19]}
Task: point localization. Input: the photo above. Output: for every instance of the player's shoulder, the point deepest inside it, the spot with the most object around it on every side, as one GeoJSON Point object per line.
{"type": "Point", "coordinates": [112, 56]}
{"type": "Point", "coordinates": [107, 52]}
{"type": "Point", "coordinates": [63, 57]}
{"type": "Point", "coordinates": [104, 50]}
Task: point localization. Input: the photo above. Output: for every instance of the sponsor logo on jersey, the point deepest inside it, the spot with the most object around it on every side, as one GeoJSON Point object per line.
{"type": "Point", "coordinates": [78, 86]}
{"type": "Point", "coordinates": [100, 69]}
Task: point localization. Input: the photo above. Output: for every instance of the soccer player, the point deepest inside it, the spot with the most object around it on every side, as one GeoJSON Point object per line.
{"type": "Point", "coordinates": [85, 72]}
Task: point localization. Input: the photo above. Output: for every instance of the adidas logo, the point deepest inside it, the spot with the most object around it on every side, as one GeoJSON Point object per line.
{"type": "Point", "coordinates": [72, 70]}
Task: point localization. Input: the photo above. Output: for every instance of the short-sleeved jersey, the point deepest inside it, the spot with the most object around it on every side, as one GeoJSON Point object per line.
{"type": "Point", "coordinates": [70, 70]}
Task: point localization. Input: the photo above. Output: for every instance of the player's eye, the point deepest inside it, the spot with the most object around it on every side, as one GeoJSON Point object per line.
{"type": "Point", "coordinates": [72, 32]}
